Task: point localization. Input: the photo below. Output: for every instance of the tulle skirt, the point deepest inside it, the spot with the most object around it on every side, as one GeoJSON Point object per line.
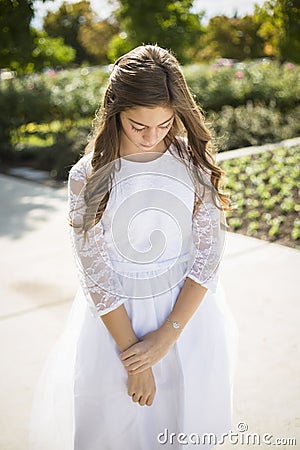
{"type": "Point", "coordinates": [81, 400]}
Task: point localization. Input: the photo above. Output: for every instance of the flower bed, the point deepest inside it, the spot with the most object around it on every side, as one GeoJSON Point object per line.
{"type": "Point", "coordinates": [265, 191]}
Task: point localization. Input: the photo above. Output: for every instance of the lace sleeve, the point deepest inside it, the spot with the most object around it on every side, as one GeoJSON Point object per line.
{"type": "Point", "coordinates": [208, 240]}
{"type": "Point", "coordinates": [99, 282]}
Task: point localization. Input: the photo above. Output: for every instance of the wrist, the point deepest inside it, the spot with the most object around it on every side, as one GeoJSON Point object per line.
{"type": "Point", "coordinates": [144, 372]}
{"type": "Point", "coordinates": [175, 324]}
{"type": "Point", "coordinates": [170, 332]}
{"type": "Point", "coordinates": [129, 342]}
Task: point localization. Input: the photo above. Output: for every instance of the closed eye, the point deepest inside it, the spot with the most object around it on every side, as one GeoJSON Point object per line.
{"type": "Point", "coordinates": [138, 130]}
{"type": "Point", "coordinates": [166, 126]}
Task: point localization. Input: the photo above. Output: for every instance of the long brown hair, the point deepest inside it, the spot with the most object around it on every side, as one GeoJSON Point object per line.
{"type": "Point", "coordinates": [147, 76]}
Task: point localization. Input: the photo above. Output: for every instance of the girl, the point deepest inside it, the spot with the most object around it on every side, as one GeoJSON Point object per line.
{"type": "Point", "coordinates": [148, 355]}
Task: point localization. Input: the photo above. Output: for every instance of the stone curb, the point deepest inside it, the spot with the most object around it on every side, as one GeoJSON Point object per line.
{"type": "Point", "coordinates": [231, 154]}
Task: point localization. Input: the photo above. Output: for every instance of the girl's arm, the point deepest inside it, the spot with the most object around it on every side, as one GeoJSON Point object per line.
{"type": "Point", "coordinates": [141, 386]}
{"type": "Point", "coordinates": [154, 346]}
{"type": "Point", "coordinates": [100, 284]}
{"type": "Point", "coordinates": [118, 324]}
{"type": "Point", "coordinates": [189, 299]}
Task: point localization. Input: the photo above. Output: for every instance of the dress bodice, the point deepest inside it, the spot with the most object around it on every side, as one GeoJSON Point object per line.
{"type": "Point", "coordinates": [148, 217]}
{"type": "Point", "coordinates": [147, 232]}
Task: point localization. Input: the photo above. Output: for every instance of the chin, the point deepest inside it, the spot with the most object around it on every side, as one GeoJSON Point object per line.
{"type": "Point", "coordinates": [145, 147]}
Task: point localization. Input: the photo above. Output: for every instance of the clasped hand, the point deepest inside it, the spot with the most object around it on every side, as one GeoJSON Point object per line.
{"type": "Point", "coordinates": [148, 351]}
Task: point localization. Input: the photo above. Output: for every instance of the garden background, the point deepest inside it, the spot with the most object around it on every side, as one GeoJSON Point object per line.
{"type": "Point", "coordinates": [243, 71]}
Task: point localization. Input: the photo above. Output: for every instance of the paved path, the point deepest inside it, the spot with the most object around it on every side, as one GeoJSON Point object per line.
{"type": "Point", "coordinates": [38, 283]}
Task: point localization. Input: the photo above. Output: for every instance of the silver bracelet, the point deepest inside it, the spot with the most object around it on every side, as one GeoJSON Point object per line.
{"type": "Point", "coordinates": [175, 324]}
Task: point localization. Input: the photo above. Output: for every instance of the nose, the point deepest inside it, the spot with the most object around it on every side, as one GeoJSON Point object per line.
{"type": "Point", "coordinates": [150, 136]}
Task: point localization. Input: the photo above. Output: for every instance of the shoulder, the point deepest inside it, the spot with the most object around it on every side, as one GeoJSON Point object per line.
{"type": "Point", "coordinates": [82, 168]}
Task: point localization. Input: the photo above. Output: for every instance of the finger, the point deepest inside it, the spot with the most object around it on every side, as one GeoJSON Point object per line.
{"type": "Point", "coordinates": [143, 400]}
{"type": "Point", "coordinates": [135, 365]}
{"type": "Point", "coordinates": [136, 398]}
{"type": "Point", "coordinates": [150, 400]}
{"type": "Point", "coordinates": [139, 369]}
{"type": "Point", "coordinates": [132, 360]}
{"type": "Point", "coordinates": [124, 356]}
{"type": "Point", "coordinates": [129, 352]}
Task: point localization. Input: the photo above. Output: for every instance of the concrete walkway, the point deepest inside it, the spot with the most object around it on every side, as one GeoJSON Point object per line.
{"type": "Point", "coordinates": [38, 283]}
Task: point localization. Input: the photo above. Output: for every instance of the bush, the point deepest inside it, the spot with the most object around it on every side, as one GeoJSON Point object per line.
{"type": "Point", "coordinates": [265, 83]}
{"type": "Point", "coordinates": [253, 125]}
{"type": "Point", "coordinates": [59, 157]}
{"type": "Point", "coordinates": [41, 98]}
{"type": "Point", "coordinates": [21, 101]}
{"type": "Point", "coordinates": [249, 104]}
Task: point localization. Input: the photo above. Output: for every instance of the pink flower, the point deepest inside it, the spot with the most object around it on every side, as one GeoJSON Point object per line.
{"type": "Point", "coordinates": [290, 66]}
{"type": "Point", "coordinates": [239, 74]}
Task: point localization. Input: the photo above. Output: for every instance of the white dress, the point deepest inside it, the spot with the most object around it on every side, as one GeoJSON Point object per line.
{"type": "Point", "coordinates": [139, 255]}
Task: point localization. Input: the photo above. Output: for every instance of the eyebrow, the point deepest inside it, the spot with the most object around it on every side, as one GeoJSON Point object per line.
{"type": "Point", "coordinates": [143, 125]}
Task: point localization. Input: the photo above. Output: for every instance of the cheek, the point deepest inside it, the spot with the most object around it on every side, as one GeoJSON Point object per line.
{"type": "Point", "coordinates": [163, 133]}
{"type": "Point", "coordinates": [129, 131]}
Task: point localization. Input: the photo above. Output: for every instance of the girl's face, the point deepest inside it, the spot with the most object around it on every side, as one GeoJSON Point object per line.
{"type": "Point", "coordinates": [144, 129]}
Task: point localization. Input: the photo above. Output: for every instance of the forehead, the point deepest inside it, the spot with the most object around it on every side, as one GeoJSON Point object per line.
{"type": "Point", "coordinates": [149, 116]}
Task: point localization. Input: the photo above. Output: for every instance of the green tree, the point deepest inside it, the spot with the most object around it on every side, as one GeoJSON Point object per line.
{"type": "Point", "coordinates": [279, 27]}
{"type": "Point", "coordinates": [66, 23]}
{"type": "Point", "coordinates": [16, 41]}
{"type": "Point", "coordinates": [15, 37]}
{"type": "Point", "coordinates": [171, 24]}
{"type": "Point", "coordinates": [231, 38]}
{"type": "Point", "coordinates": [50, 52]}
{"type": "Point", "coordinates": [96, 37]}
